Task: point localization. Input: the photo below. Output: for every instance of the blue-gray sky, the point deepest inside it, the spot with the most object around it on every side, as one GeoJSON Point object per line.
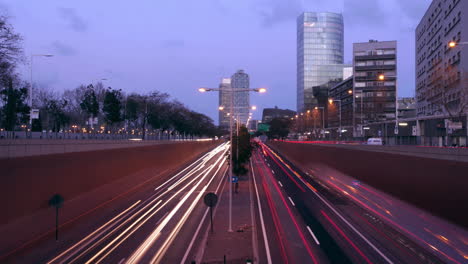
{"type": "Point", "coordinates": [176, 46]}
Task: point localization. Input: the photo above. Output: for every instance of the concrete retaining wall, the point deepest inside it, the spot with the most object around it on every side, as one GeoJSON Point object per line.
{"type": "Point", "coordinates": [437, 185]}
{"type": "Point", "coordinates": [32, 147]}
{"type": "Point", "coordinates": [28, 182]}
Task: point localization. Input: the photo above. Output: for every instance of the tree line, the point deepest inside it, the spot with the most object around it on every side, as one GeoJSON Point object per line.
{"type": "Point", "coordinates": [89, 108]}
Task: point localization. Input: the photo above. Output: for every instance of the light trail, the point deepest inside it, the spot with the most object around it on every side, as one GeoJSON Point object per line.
{"type": "Point", "coordinates": [141, 250]}
{"type": "Point", "coordinates": [90, 235]}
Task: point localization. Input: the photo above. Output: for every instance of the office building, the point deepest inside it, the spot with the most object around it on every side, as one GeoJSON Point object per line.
{"type": "Point", "coordinates": [375, 82]}
{"type": "Point", "coordinates": [240, 80]}
{"type": "Point", "coordinates": [224, 102]}
{"type": "Point", "coordinates": [341, 104]}
{"type": "Point", "coordinates": [270, 113]}
{"type": "Point", "coordinates": [319, 54]}
{"type": "Point", "coordinates": [441, 70]}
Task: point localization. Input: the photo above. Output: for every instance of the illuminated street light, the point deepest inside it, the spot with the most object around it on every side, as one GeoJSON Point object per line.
{"type": "Point", "coordinates": [221, 108]}
{"type": "Point", "coordinates": [381, 77]}
{"type": "Point", "coordinates": [254, 107]}
{"type": "Point", "coordinates": [453, 44]}
{"type": "Point", "coordinates": [231, 110]}
{"type": "Point", "coordinates": [350, 91]}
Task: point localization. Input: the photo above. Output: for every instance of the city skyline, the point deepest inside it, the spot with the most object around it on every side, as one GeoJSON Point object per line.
{"type": "Point", "coordinates": [63, 30]}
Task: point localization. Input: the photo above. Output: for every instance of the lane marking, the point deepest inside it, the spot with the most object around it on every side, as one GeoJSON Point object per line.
{"type": "Point", "coordinates": [280, 184]}
{"type": "Point", "coordinates": [189, 248]}
{"type": "Point", "coordinates": [265, 238]}
{"type": "Point", "coordinates": [268, 164]}
{"type": "Point", "coordinates": [97, 230]}
{"type": "Point", "coordinates": [313, 235]}
{"type": "Point", "coordinates": [348, 223]}
{"type": "Point", "coordinates": [273, 171]}
{"type": "Point", "coordinates": [291, 201]}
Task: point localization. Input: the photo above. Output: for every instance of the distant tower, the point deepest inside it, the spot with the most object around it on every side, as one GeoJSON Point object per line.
{"type": "Point", "coordinates": [224, 103]}
{"type": "Point", "coordinates": [240, 80]}
{"type": "Point", "coordinates": [319, 54]}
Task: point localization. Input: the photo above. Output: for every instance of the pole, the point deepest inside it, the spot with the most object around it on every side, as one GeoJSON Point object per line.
{"type": "Point", "coordinates": [211, 216]}
{"type": "Point", "coordinates": [56, 222]}
{"type": "Point", "coordinates": [31, 91]}
{"type": "Point", "coordinates": [340, 120]}
{"type": "Point", "coordinates": [362, 117]}
{"type": "Point", "coordinates": [231, 157]}
{"type": "Point", "coordinates": [323, 121]}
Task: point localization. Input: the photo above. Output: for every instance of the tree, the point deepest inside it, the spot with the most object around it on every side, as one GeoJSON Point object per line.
{"type": "Point", "coordinates": [279, 128]}
{"type": "Point", "coordinates": [11, 51]}
{"type": "Point", "coordinates": [112, 106]}
{"type": "Point", "coordinates": [56, 110]}
{"type": "Point", "coordinates": [14, 110]}
{"type": "Point", "coordinates": [242, 151]}
{"type": "Point", "coordinates": [89, 103]}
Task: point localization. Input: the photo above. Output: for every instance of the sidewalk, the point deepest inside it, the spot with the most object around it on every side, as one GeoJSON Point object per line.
{"type": "Point", "coordinates": [237, 246]}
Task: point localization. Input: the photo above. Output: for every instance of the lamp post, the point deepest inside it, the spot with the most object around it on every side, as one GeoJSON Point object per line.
{"type": "Point", "coordinates": [323, 117]}
{"type": "Point", "coordinates": [231, 108]}
{"type": "Point", "coordinates": [331, 100]}
{"type": "Point", "coordinates": [453, 44]}
{"type": "Point", "coordinates": [362, 114]}
{"type": "Point", "coordinates": [31, 84]}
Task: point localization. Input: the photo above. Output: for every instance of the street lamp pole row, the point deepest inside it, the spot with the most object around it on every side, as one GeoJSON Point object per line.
{"type": "Point", "coordinates": [231, 108]}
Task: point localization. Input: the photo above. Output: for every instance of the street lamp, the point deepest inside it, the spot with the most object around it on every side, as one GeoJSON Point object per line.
{"type": "Point", "coordinates": [381, 77]}
{"type": "Point", "coordinates": [362, 113]}
{"type": "Point", "coordinates": [453, 44]}
{"type": "Point", "coordinates": [231, 109]}
{"type": "Point", "coordinates": [331, 100]}
{"type": "Point", "coordinates": [221, 108]}
{"type": "Point", "coordinates": [31, 85]}
{"type": "Point", "coordinates": [323, 115]}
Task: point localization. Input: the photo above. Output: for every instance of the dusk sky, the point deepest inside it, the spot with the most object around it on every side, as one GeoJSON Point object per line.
{"type": "Point", "coordinates": [176, 46]}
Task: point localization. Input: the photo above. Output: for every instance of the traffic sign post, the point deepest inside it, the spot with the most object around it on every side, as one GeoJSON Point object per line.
{"type": "Point", "coordinates": [235, 179]}
{"type": "Point", "coordinates": [210, 200]}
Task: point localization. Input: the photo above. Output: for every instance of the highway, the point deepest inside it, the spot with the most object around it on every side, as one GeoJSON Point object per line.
{"type": "Point", "coordinates": [348, 229]}
{"type": "Point", "coordinates": [311, 216]}
{"type": "Point", "coordinates": [153, 229]}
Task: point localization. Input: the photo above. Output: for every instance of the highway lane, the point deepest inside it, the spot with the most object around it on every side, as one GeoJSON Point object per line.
{"type": "Point", "coordinates": [360, 234]}
{"type": "Point", "coordinates": [287, 237]}
{"type": "Point", "coordinates": [145, 232]}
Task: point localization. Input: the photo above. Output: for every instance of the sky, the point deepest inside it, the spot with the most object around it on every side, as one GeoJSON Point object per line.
{"type": "Point", "coordinates": [176, 46]}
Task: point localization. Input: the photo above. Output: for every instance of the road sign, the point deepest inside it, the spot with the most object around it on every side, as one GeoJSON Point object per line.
{"type": "Point", "coordinates": [210, 199]}
{"type": "Point", "coordinates": [455, 125]}
{"type": "Point", "coordinates": [235, 179]}
{"type": "Point", "coordinates": [34, 113]}
{"type": "Point", "coordinates": [396, 130]}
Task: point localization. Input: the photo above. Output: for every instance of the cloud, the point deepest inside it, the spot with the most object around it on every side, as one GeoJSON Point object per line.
{"type": "Point", "coordinates": [63, 49]}
{"type": "Point", "coordinates": [413, 9]}
{"type": "Point", "coordinates": [173, 43]}
{"type": "Point", "coordinates": [364, 13]}
{"type": "Point", "coordinates": [273, 12]}
{"type": "Point", "coordinates": [74, 21]}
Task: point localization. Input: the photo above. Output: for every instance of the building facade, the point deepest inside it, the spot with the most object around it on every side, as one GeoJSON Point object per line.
{"type": "Point", "coordinates": [320, 44]}
{"type": "Point", "coordinates": [374, 83]}
{"type": "Point", "coordinates": [241, 80]}
{"type": "Point", "coordinates": [341, 104]}
{"type": "Point", "coordinates": [270, 113]}
{"type": "Point", "coordinates": [224, 102]}
{"type": "Point", "coordinates": [441, 70]}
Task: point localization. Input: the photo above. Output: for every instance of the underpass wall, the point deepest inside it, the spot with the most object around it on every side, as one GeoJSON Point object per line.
{"type": "Point", "coordinates": [435, 185]}
{"type": "Point", "coordinates": [28, 182]}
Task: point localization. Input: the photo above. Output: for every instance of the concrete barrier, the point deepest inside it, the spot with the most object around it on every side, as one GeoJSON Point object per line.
{"type": "Point", "coordinates": [436, 185]}
{"type": "Point", "coordinates": [28, 182]}
{"type": "Point", "coordinates": [34, 147]}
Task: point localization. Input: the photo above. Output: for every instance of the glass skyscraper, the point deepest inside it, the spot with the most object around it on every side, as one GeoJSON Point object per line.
{"type": "Point", "coordinates": [241, 80]}
{"type": "Point", "coordinates": [320, 44]}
